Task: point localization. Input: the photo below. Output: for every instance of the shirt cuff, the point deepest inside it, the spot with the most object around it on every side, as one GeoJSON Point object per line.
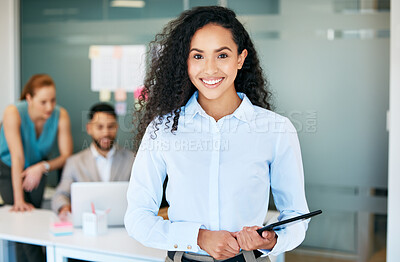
{"type": "Point", "coordinates": [277, 249]}
{"type": "Point", "coordinates": [184, 236]}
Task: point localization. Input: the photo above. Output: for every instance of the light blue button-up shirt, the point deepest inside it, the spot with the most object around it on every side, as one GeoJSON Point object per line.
{"type": "Point", "coordinates": [219, 177]}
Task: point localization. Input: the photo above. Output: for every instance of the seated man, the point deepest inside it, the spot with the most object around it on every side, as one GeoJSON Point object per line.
{"type": "Point", "coordinates": [102, 161]}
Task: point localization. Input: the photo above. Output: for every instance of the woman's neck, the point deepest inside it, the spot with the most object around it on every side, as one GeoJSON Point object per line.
{"type": "Point", "coordinates": [218, 108]}
{"type": "Point", "coordinates": [34, 116]}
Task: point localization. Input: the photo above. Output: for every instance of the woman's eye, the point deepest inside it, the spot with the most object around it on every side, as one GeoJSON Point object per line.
{"type": "Point", "coordinates": [198, 56]}
{"type": "Point", "coordinates": [223, 56]}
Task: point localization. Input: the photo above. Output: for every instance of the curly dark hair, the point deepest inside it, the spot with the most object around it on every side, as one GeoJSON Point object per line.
{"type": "Point", "coordinates": [167, 86]}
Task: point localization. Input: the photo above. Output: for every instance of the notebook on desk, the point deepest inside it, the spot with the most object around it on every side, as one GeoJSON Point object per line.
{"type": "Point", "coordinates": [104, 195]}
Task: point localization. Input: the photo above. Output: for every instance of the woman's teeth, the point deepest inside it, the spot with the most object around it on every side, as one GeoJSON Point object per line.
{"type": "Point", "coordinates": [212, 82]}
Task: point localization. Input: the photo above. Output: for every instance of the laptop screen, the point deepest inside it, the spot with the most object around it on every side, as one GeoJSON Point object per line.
{"type": "Point", "coordinates": [103, 195]}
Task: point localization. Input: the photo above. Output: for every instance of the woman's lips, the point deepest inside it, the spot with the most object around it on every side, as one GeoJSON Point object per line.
{"type": "Point", "coordinates": [212, 83]}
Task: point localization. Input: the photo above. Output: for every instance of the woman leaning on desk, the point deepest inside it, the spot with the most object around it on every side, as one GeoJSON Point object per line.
{"type": "Point", "coordinates": [28, 132]}
{"type": "Point", "coordinates": [27, 135]}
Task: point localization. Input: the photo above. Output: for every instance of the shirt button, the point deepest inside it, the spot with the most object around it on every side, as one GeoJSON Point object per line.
{"type": "Point", "coordinates": [175, 246]}
{"type": "Point", "coordinates": [189, 247]}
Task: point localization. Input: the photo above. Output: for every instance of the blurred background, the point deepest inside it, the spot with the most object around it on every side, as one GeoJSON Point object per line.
{"type": "Point", "coordinates": [327, 62]}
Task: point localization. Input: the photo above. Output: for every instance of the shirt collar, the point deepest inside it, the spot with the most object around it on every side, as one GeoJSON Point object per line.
{"type": "Point", "coordinates": [192, 108]}
{"type": "Point", "coordinates": [244, 112]}
{"type": "Point", "coordinates": [96, 153]}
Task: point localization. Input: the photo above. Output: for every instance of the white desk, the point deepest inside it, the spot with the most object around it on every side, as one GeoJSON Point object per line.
{"type": "Point", "coordinates": [116, 245]}
{"type": "Point", "coordinates": [33, 227]}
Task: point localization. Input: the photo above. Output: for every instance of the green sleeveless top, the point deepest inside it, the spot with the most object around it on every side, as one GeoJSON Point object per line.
{"type": "Point", "coordinates": [35, 149]}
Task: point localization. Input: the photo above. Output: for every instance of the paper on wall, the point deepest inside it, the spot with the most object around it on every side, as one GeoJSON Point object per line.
{"type": "Point", "coordinates": [133, 66]}
{"type": "Point", "coordinates": [105, 95]}
{"type": "Point", "coordinates": [120, 95]}
{"type": "Point", "coordinates": [117, 67]}
{"type": "Point", "coordinates": [105, 73]}
{"type": "Point", "coordinates": [120, 108]}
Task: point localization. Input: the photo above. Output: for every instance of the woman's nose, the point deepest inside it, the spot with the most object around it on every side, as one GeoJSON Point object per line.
{"type": "Point", "coordinates": [210, 66]}
{"type": "Point", "coordinates": [49, 107]}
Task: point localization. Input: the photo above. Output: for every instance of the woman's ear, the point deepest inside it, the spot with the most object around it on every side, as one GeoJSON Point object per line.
{"type": "Point", "coordinates": [241, 58]}
{"type": "Point", "coordinates": [28, 98]}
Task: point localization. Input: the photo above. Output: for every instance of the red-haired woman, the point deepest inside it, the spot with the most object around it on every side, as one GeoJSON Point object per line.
{"type": "Point", "coordinates": [29, 130]}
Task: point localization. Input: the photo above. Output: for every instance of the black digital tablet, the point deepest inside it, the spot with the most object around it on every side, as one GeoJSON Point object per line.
{"type": "Point", "coordinates": [278, 225]}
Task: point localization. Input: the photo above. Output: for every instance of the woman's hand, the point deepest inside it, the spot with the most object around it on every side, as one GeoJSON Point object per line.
{"type": "Point", "coordinates": [219, 244]}
{"type": "Point", "coordinates": [249, 239]}
{"type": "Point", "coordinates": [21, 206]}
{"type": "Point", "coordinates": [32, 176]}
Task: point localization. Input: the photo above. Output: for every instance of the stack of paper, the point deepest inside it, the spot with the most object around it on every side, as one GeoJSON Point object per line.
{"type": "Point", "coordinates": [61, 228]}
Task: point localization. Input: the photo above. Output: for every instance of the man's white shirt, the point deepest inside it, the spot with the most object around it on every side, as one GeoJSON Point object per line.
{"type": "Point", "coordinates": [103, 163]}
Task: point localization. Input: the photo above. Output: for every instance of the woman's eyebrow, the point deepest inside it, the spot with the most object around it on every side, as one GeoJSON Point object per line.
{"type": "Point", "coordinates": [216, 50]}
{"type": "Point", "coordinates": [223, 48]}
{"type": "Point", "coordinates": [195, 49]}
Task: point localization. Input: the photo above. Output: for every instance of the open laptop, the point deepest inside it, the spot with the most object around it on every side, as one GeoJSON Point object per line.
{"type": "Point", "coordinates": [103, 195]}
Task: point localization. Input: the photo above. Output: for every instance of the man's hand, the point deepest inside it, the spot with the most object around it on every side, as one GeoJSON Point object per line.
{"type": "Point", "coordinates": [249, 239]}
{"type": "Point", "coordinates": [219, 244]}
{"type": "Point", "coordinates": [32, 176]}
{"type": "Point", "coordinates": [64, 213]}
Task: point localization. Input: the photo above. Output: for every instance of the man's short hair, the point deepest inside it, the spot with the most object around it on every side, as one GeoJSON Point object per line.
{"type": "Point", "coordinates": [101, 107]}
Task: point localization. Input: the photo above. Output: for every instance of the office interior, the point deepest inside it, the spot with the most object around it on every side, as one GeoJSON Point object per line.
{"type": "Point", "coordinates": [329, 64]}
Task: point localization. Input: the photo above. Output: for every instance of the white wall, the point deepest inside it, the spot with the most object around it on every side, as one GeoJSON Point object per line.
{"type": "Point", "coordinates": [393, 243]}
{"type": "Point", "coordinates": [9, 53]}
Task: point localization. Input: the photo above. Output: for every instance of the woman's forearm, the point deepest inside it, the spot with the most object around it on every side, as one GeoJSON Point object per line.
{"type": "Point", "coordinates": [17, 168]}
{"type": "Point", "coordinates": [58, 162]}
{"type": "Point", "coordinates": [65, 143]}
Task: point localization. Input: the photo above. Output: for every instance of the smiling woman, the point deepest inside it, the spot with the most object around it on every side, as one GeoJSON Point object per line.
{"type": "Point", "coordinates": [213, 70]}
{"type": "Point", "coordinates": [29, 131]}
{"type": "Point", "coordinates": [208, 81]}
{"type": "Point", "coordinates": [169, 81]}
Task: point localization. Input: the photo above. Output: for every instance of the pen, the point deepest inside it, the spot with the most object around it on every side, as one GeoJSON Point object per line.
{"type": "Point", "coordinates": [93, 210]}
